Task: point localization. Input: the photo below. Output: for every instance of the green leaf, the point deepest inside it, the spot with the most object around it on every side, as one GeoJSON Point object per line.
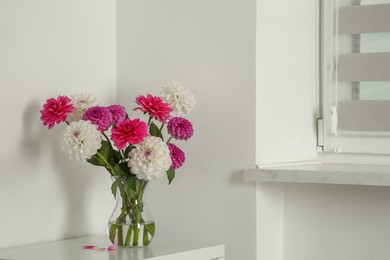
{"type": "Point", "coordinates": [116, 156]}
{"type": "Point", "coordinates": [126, 178]}
{"type": "Point", "coordinates": [155, 131]}
{"type": "Point", "coordinates": [122, 169]}
{"type": "Point", "coordinates": [115, 185]}
{"type": "Point", "coordinates": [95, 160]}
{"type": "Point", "coordinates": [127, 151]}
{"type": "Point", "coordinates": [170, 175]}
{"type": "Point", "coordinates": [105, 151]}
{"type": "Point", "coordinates": [130, 183]}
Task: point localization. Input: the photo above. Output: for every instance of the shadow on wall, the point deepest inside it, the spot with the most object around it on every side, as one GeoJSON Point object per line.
{"type": "Point", "coordinates": [74, 186]}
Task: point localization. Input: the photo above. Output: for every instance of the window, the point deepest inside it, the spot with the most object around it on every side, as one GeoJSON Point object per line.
{"type": "Point", "coordinates": [355, 76]}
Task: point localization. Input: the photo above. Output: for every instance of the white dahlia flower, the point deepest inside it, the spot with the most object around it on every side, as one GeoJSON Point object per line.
{"type": "Point", "coordinates": [81, 140]}
{"type": "Point", "coordinates": [178, 97]}
{"type": "Point", "coordinates": [150, 159]}
{"type": "Point", "coordinates": [81, 103]}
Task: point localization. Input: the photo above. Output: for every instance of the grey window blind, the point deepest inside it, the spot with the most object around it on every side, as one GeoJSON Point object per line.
{"type": "Point", "coordinates": [363, 115]}
{"type": "Point", "coordinates": [364, 19]}
{"type": "Point", "coordinates": [364, 67]}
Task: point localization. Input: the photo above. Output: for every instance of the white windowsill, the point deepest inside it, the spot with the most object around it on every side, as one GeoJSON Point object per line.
{"type": "Point", "coordinates": [377, 175]}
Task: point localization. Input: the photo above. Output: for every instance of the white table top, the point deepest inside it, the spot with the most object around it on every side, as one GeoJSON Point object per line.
{"type": "Point", "coordinates": [71, 249]}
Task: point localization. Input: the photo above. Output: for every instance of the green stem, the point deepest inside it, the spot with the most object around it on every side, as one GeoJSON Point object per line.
{"type": "Point", "coordinates": [107, 163]}
{"type": "Point", "coordinates": [132, 207]}
{"type": "Point", "coordinates": [145, 240]}
{"type": "Point", "coordinates": [117, 227]}
{"type": "Point", "coordinates": [112, 232]}
{"type": "Point", "coordinates": [162, 126]}
{"type": "Point", "coordinates": [137, 224]}
{"type": "Point", "coordinates": [170, 138]}
{"type": "Point", "coordinates": [136, 235]}
{"type": "Point", "coordinates": [150, 228]}
{"type": "Point", "coordinates": [150, 120]}
{"type": "Point", "coordinates": [120, 235]}
{"type": "Point", "coordinates": [128, 236]}
{"type": "Point", "coordinates": [129, 231]}
{"type": "Point", "coordinates": [138, 216]}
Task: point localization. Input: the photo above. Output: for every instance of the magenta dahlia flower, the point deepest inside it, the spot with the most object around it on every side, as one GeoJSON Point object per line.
{"type": "Point", "coordinates": [56, 110]}
{"type": "Point", "coordinates": [118, 113]}
{"type": "Point", "coordinates": [177, 156]}
{"type": "Point", "coordinates": [180, 128]}
{"type": "Point", "coordinates": [154, 106]}
{"type": "Point", "coordinates": [99, 116]}
{"type": "Point", "coordinates": [129, 132]}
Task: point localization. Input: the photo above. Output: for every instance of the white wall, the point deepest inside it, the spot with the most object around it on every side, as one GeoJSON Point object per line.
{"type": "Point", "coordinates": [336, 222]}
{"type": "Point", "coordinates": [286, 81]}
{"type": "Point", "coordinates": [47, 48]}
{"type": "Point", "coordinates": [210, 47]}
{"type": "Point", "coordinates": [305, 221]}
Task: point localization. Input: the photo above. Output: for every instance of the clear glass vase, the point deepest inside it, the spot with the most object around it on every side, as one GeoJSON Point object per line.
{"type": "Point", "coordinates": [131, 223]}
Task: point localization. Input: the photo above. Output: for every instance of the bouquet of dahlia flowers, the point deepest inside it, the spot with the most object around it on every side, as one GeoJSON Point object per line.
{"type": "Point", "coordinates": [131, 150]}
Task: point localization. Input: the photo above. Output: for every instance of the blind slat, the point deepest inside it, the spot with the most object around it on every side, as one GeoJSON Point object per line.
{"type": "Point", "coordinates": [364, 115]}
{"type": "Point", "coordinates": [364, 67]}
{"type": "Point", "coordinates": [364, 19]}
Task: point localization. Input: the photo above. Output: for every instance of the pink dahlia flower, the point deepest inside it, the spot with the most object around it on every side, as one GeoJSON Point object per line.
{"type": "Point", "coordinates": [118, 113]}
{"type": "Point", "coordinates": [56, 110]}
{"type": "Point", "coordinates": [129, 132]}
{"type": "Point", "coordinates": [99, 116]}
{"type": "Point", "coordinates": [154, 106]}
{"type": "Point", "coordinates": [177, 156]}
{"type": "Point", "coordinates": [180, 128]}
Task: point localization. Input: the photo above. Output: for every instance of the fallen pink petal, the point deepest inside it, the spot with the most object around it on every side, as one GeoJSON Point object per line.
{"type": "Point", "coordinates": [112, 248]}
{"type": "Point", "coordinates": [89, 247]}
{"type": "Point", "coordinates": [93, 247]}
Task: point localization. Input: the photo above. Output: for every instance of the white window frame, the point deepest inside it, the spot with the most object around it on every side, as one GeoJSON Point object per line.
{"type": "Point", "coordinates": [333, 140]}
